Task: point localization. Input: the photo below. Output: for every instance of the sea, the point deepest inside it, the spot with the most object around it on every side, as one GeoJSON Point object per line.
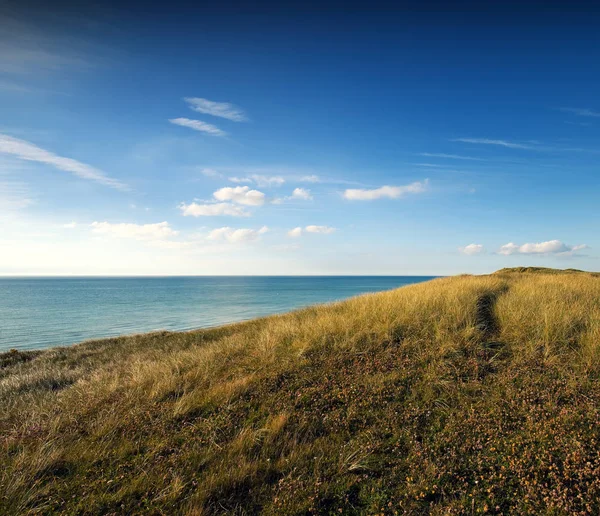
{"type": "Point", "coordinates": [38, 313]}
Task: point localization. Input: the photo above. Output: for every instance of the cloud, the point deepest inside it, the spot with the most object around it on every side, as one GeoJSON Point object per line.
{"type": "Point", "coordinates": [297, 232]}
{"type": "Point", "coordinates": [301, 193]}
{"type": "Point", "coordinates": [212, 210]}
{"type": "Point", "coordinates": [220, 109]}
{"type": "Point", "coordinates": [240, 195]}
{"type": "Point", "coordinates": [550, 247]}
{"type": "Point", "coordinates": [158, 231]}
{"type": "Point", "coordinates": [472, 249]}
{"type": "Point", "coordinates": [209, 172]}
{"type": "Point", "coordinates": [27, 50]}
{"type": "Point", "coordinates": [325, 230]}
{"type": "Point", "coordinates": [320, 179]}
{"type": "Point", "coordinates": [581, 112]}
{"type": "Point", "coordinates": [260, 180]}
{"type": "Point", "coordinates": [449, 156]}
{"type": "Point", "coordinates": [267, 180]}
{"type": "Point", "coordinates": [14, 196]}
{"type": "Point", "coordinates": [29, 152]}
{"type": "Point", "coordinates": [509, 248]}
{"type": "Point", "coordinates": [198, 125]}
{"type": "Point", "coordinates": [235, 236]}
{"type": "Point", "coordinates": [310, 179]}
{"type": "Point", "coordinates": [391, 192]}
{"type": "Point", "coordinates": [70, 225]}
{"type": "Point", "coordinates": [501, 143]}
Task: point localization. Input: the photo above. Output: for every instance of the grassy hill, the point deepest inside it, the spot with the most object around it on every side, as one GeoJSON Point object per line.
{"type": "Point", "coordinates": [462, 395]}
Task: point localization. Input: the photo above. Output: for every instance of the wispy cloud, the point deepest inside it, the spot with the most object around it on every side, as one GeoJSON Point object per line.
{"type": "Point", "coordinates": [531, 145]}
{"type": "Point", "coordinates": [27, 50]}
{"type": "Point", "coordinates": [220, 109]}
{"type": "Point", "coordinates": [14, 195]}
{"type": "Point", "coordinates": [24, 60]}
{"type": "Point", "coordinates": [240, 195]}
{"type": "Point", "coordinates": [472, 249]}
{"type": "Point", "coordinates": [390, 192]}
{"type": "Point", "coordinates": [581, 112]}
{"type": "Point", "coordinates": [158, 231]}
{"type": "Point", "coordinates": [237, 235]}
{"type": "Point", "coordinates": [312, 178]}
{"type": "Point", "coordinates": [212, 210]}
{"type": "Point", "coordinates": [198, 125]}
{"type": "Point", "coordinates": [210, 172]}
{"type": "Point", "coordinates": [550, 247]}
{"type": "Point", "coordinates": [501, 143]}
{"type": "Point", "coordinates": [260, 180]}
{"type": "Point", "coordinates": [323, 230]}
{"type": "Point", "coordinates": [449, 156]}
{"type": "Point", "coordinates": [29, 152]}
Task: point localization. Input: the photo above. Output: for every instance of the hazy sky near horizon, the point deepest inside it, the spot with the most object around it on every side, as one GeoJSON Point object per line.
{"type": "Point", "coordinates": [137, 139]}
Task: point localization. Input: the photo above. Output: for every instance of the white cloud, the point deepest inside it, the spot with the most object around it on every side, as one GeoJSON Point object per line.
{"type": "Point", "coordinates": [472, 249]}
{"type": "Point", "coordinates": [509, 248]}
{"type": "Point", "coordinates": [237, 235]}
{"type": "Point", "coordinates": [301, 193]}
{"type": "Point", "coordinates": [198, 125]}
{"type": "Point", "coordinates": [581, 112]}
{"type": "Point", "coordinates": [326, 230]}
{"type": "Point", "coordinates": [501, 143]}
{"type": "Point", "coordinates": [220, 109]}
{"type": "Point", "coordinates": [313, 178]}
{"type": "Point", "coordinates": [14, 196]}
{"type": "Point", "coordinates": [267, 180]}
{"type": "Point", "coordinates": [260, 180]}
{"type": "Point", "coordinates": [70, 225]}
{"type": "Point", "coordinates": [297, 232]}
{"type": "Point", "coordinates": [158, 231]}
{"type": "Point", "coordinates": [209, 172]}
{"type": "Point", "coordinates": [391, 192]}
{"type": "Point", "coordinates": [449, 156]}
{"type": "Point", "coordinates": [310, 179]}
{"type": "Point", "coordinates": [549, 247]}
{"type": "Point", "coordinates": [29, 152]}
{"type": "Point", "coordinates": [240, 195]}
{"type": "Point", "coordinates": [212, 210]}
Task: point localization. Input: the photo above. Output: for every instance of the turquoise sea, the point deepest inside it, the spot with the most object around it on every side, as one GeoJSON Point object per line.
{"type": "Point", "coordinates": [43, 312]}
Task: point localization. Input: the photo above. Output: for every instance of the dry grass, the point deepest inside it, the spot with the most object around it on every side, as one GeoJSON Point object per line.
{"type": "Point", "coordinates": [461, 395]}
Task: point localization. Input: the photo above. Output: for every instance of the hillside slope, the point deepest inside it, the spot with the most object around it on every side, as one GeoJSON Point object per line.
{"type": "Point", "coordinates": [470, 394]}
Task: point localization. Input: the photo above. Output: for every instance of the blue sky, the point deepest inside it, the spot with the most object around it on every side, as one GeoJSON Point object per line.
{"type": "Point", "coordinates": [171, 141]}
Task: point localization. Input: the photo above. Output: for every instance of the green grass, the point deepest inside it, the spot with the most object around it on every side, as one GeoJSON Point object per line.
{"type": "Point", "coordinates": [462, 395]}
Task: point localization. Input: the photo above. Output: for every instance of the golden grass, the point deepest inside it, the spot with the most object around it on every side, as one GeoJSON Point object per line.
{"type": "Point", "coordinates": [460, 395]}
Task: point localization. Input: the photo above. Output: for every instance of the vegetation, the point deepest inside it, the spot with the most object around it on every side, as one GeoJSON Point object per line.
{"type": "Point", "coordinates": [462, 395]}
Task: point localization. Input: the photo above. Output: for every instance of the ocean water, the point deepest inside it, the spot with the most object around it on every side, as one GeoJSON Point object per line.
{"type": "Point", "coordinates": [44, 312]}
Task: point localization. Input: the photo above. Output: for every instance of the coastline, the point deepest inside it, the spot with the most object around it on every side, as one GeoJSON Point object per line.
{"type": "Point", "coordinates": [469, 385]}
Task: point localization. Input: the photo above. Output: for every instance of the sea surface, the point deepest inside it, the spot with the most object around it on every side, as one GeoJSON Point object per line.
{"type": "Point", "coordinates": [44, 312]}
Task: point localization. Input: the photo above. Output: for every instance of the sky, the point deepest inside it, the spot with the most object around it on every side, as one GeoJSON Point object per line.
{"type": "Point", "coordinates": [147, 139]}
